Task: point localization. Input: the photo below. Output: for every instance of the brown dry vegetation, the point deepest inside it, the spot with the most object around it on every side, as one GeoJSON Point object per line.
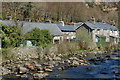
{"type": "Point", "coordinates": [55, 11]}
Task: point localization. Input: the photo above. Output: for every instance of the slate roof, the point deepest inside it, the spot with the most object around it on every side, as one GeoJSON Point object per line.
{"type": "Point", "coordinates": [56, 29]}
{"type": "Point", "coordinates": [28, 26]}
{"type": "Point", "coordinates": [11, 22]}
{"type": "Point", "coordinates": [76, 25]}
{"type": "Point", "coordinates": [53, 29]}
{"type": "Point", "coordinates": [106, 26]}
{"type": "Point", "coordinates": [91, 25]}
{"type": "Point", "coordinates": [68, 28]}
{"type": "Point", "coordinates": [99, 26]}
{"type": "Point", "coordinates": [7, 22]}
{"type": "Point", "coordinates": [99, 35]}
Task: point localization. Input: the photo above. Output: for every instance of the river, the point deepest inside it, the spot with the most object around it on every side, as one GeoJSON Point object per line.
{"type": "Point", "coordinates": [106, 67]}
{"type": "Point", "coordinates": [102, 66]}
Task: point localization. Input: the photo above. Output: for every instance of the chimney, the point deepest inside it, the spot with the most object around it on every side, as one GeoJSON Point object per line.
{"type": "Point", "coordinates": [29, 20]}
{"type": "Point", "coordinates": [62, 22]}
{"type": "Point", "coordinates": [94, 20]}
{"type": "Point", "coordinates": [48, 21]}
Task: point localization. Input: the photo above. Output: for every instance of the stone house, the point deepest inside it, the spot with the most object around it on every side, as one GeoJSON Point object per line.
{"type": "Point", "coordinates": [60, 32]}
{"type": "Point", "coordinates": [28, 26]}
{"type": "Point", "coordinates": [97, 30]}
{"type": "Point", "coordinates": [63, 32]}
{"type": "Point", "coordinates": [68, 32]}
{"type": "Point", "coordinates": [52, 28]}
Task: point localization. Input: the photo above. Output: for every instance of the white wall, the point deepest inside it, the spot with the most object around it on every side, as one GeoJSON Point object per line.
{"type": "Point", "coordinates": [59, 38]}
{"type": "Point", "coordinates": [69, 35]}
{"type": "Point", "coordinates": [106, 33]}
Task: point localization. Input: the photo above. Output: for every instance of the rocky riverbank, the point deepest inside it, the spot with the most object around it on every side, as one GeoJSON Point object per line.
{"type": "Point", "coordinates": [40, 67]}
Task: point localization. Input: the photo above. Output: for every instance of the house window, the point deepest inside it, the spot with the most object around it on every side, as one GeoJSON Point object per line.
{"type": "Point", "coordinates": [56, 41]}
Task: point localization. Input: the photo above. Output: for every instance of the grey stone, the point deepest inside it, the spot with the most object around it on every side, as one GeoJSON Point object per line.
{"type": "Point", "coordinates": [71, 58]}
{"type": "Point", "coordinates": [75, 62]}
{"type": "Point", "coordinates": [4, 71]}
{"type": "Point", "coordinates": [23, 70]}
{"type": "Point", "coordinates": [75, 58]}
{"type": "Point", "coordinates": [39, 67]}
{"type": "Point", "coordinates": [39, 75]}
{"type": "Point", "coordinates": [40, 71]}
{"type": "Point", "coordinates": [48, 69]}
{"type": "Point", "coordinates": [68, 61]}
{"type": "Point", "coordinates": [50, 59]}
{"type": "Point", "coordinates": [57, 58]}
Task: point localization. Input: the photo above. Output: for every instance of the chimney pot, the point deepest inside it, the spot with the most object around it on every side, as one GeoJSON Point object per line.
{"type": "Point", "coordinates": [62, 22]}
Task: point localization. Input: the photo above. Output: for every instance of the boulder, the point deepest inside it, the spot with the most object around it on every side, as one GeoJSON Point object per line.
{"type": "Point", "coordinates": [4, 71]}
{"type": "Point", "coordinates": [75, 62]}
{"type": "Point", "coordinates": [81, 60]}
{"type": "Point", "coordinates": [71, 58]}
{"type": "Point", "coordinates": [38, 67]}
{"type": "Point", "coordinates": [24, 76]}
{"type": "Point", "coordinates": [23, 70]}
{"type": "Point", "coordinates": [75, 58]}
{"type": "Point", "coordinates": [31, 67]}
{"type": "Point", "coordinates": [51, 63]}
{"type": "Point", "coordinates": [47, 69]}
{"type": "Point", "coordinates": [68, 61]}
{"type": "Point", "coordinates": [61, 68]}
{"type": "Point", "coordinates": [50, 59]}
{"type": "Point", "coordinates": [41, 71]}
{"type": "Point", "coordinates": [40, 75]}
{"type": "Point", "coordinates": [82, 63]}
{"type": "Point", "coordinates": [57, 58]}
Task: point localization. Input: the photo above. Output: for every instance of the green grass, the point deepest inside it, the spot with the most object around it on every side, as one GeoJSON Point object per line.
{"type": "Point", "coordinates": [7, 54]}
{"type": "Point", "coordinates": [79, 51]}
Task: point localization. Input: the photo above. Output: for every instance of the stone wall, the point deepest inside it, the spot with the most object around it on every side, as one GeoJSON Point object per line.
{"type": "Point", "coordinates": [33, 52]}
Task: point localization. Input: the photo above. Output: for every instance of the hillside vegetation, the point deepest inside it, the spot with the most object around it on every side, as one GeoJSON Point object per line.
{"type": "Point", "coordinates": [66, 11]}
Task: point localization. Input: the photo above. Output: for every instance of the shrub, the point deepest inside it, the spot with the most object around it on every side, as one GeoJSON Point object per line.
{"type": "Point", "coordinates": [61, 48]}
{"type": "Point", "coordinates": [11, 36]}
{"type": "Point", "coordinates": [91, 5]}
{"type": "Point", "coordinates": [102, 44]}
{"type": "Point", "coordinates": [39, 37]}
{"type": "Point", "coordinates": [83, 38]}
{"type": "Point", "coordinates": [7, 54]}
{"type": "Point", "coordinates": [69, 47]}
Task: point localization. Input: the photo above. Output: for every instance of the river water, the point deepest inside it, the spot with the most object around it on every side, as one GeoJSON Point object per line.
{"type": "Point", "coordinates": [102, 66]}
{"type": "Point", "coordinates": [105, 66]}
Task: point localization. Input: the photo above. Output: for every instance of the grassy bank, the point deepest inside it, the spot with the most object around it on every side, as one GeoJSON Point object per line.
{"type": "Point", "coordinates": [63, 48]}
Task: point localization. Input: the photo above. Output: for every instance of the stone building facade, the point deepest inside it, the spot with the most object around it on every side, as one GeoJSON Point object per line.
{"type": "Point", "coordinates": [111, 33]}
